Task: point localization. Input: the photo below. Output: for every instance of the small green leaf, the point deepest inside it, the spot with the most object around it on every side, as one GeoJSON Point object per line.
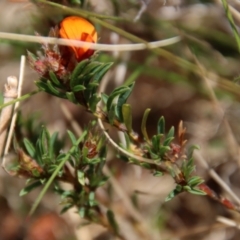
{"type": "Point", "coordinates": [170, 133]}
{"type": "Point", "coordinates": [54, 78]}
{"type": "Point", "coordinates": [67, 207]}
{"type": "Point", "coordinates": [91, 198]}
{"type": "Point", "coordinates": [195, 181]}
{"type": "Point", "coordinates": [66, 194]}
{"type": "Point", "coordinates": [163, 150]}
{"type": "Point", "coordinates": [91, 67]}
{"type": "Point", "coordinates": [93, 86]}
{"type": "Point", "coordinates": [72, 137]}
{"type": "Point", "coordinates": [102, 152]}
{"type": "Point", "coordinates": [114, 94]}
{"type": "Point", "coordinates": [161, 126]}
{"type": "Point", "coordinates": [77, 71]}
{"type": "Point", "coordinates": [82, 212]}
{"type": "Point", "coordinates": [196, 191]}
{"type": "Point", "coordinates": [127, 140]}
{"type": "Point", "coordinates": [99, 75]}
{"type": "Point", "coordinates": [179, 188]}
{"type": "Point", "coordinates": [43, 86]}
{"type": "Point", "coordinates": [127, 116]}
{"type": "Point", "coordinates": [39, 152]}
{"type": "Point", "coordinates": [167, 141]}
{"type": "Point", "coordinates": [93, 161]}
{"type": "Point", "coordinates": [53, 140]}
{"type": "Point", "coordinates": [158, 174]}
{"type": "Point", "coordinates": [153, 155]}
{"type": "Point", "coordinates": [186, 188]}
{"type": "Point", "coordinates": [30, 148]}
{"type": "Point", "coordinates": [60, 157]}
{"type": "Point", "coordinates": [29, 188]}
{"type": "Point", "coordinates": [45, 142]}
{"type": "Point", "coordinates": [143, 125]}
{"type": "Point", "coordinates": [191, 149]}
{"type": "Point", "coordinates": [93, 101]}
{"type": "Point", "coordinates": [78, 88]}
{"type": "Point", "coordinates": [71, 97]}
{"type": "Point", "coordinates": [81, 177]}
{"type": "Point", "coordinates": [53, 90]}
{"type": "Point", "coordinates": [84, 152]}
{"type": "Point", "coordinates": [173, 193]}
{"type": "Point", "coordinates": [111, 114]}
{"type": "Point", "coordinates": [156, 143]}
{"type": "Point", "coordinates": [104, 98]}
{"type": "Point", "coordinates": [121, 100]}
{"type": "Point", "coordinates": [188, 167]}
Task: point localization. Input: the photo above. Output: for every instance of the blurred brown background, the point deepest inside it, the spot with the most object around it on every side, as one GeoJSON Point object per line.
{"type": "Point", "coordinates": [169, 90]}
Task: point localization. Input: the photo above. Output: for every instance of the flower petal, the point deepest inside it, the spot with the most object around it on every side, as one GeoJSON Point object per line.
{"type": "Point", "coordinates": [78, 28]}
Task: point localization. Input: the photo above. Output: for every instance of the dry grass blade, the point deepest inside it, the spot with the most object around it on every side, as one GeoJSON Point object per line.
{"type": "Point", "coordinates": [14, 117]}
{"type": "Point", "coordinates": [215, 176]}
{"type": "Point", "coordinates": [228, 222]}
{"type": "Point", "coordinates": [10, 93]}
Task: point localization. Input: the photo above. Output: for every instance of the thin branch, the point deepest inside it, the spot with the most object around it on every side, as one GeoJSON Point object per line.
{"type": "Point", "coordinates": [143, 8]}
{"type": "Point", "coordinates": [10, 93]}
{"type": "Point", "coordinates": [13, 121]}
{"type": "Point", "coordinates": [215, 176]}
{"type": "Point", "coordinates": [26, 96]}
{"type": "Point", "coordinates": [95, 46]}
{"type": "Point", "coordinates": [228, 222]}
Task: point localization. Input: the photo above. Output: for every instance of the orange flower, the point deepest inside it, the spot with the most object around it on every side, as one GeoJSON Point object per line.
{"type": "Point", "coordinates": [77, 28]}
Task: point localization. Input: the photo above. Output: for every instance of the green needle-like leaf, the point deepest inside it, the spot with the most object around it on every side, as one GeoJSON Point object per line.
{"type": "Point", "coordinates": [114, 94]}
{"type": "Point", "coordinates": [54, 78]}
{"type": "Point", "coordinates": [127, 116]}
{"type": "Point", "coordinates": [29, 188]}
{"type": "Point", "coordinates": [77, 71]}
{"type": "Point", "coordinates": [161, 126]}
{"type": "Point", "coordinates": [30, 148]}
{"type": "Point", "coordinates": [144, 122]}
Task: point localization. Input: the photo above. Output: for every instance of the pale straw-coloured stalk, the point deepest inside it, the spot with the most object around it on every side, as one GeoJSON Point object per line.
{"type": "Point", "coordinates": [14, 117]}
{"type": "Point", "coordinates": [228, 222]}
{"type": "Point", "coordinates": [95, 46]}
{"type": "Point", "coordinates": [212, 173]}
{"type": "Point", "coordinates": [10, 93]}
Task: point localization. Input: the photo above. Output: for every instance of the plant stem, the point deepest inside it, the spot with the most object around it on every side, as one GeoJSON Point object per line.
{"type": "Point", "coordinates": [26, 96]}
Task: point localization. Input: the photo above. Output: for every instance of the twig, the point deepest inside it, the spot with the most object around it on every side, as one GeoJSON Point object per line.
{"type": "Point", "coordinates": [215, 176]}
{"type": "Point", "coordinates": [13, 121]}
{"type": "Point", "coordinates": [26, 96]}
{"type": "Point", "coordinates": [143, 8]}
{"type": "Point", "coordinates": [228, 222]}
{"type": "Point", "coordinates": [10, 93]}
{"type": "Point", "coordinates": [95, 46]}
